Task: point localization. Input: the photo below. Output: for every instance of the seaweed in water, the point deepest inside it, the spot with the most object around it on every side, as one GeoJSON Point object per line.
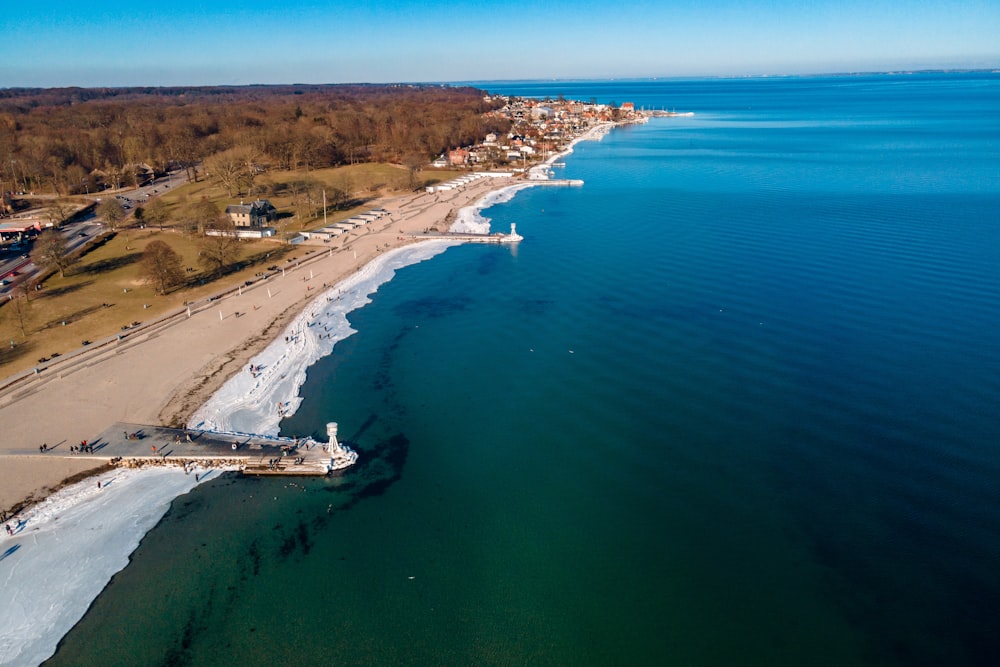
{"type": "Point", "coordinates": [431, 307]}
{"type": "Point", "coordinates": [302, 532]}
{"type": "Point", "coordinates": [376, 471]}
{"type": "Point", "coordinates": [255, 557]}
{"type": "Point", "coordinates": [287, 546]}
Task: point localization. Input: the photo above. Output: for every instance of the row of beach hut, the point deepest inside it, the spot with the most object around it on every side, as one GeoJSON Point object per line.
{"type": "Point", "coordinates": [348, 225]}
{"type": "Point", "coordinates": [461, 181]}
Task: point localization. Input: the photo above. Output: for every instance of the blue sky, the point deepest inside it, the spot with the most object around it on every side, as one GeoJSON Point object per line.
{"type": "Point", "coordinates": [184, 42]}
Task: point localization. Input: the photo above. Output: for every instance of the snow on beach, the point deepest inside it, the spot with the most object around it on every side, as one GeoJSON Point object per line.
{"type": "Point", "coordinates": [66, 549]}
{"type": "Point", "coordinates": [255, 402]}
{"type": "Point", "coordinates": [470, 219]}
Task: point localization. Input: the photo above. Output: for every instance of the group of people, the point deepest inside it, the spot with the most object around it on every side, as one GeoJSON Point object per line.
{"type": "Point", "coordinates": [73, 449]}
{"type": "Point", "coordinates": [82, 447]}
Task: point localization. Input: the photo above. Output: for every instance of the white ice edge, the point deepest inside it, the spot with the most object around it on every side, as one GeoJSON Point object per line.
{"type": "Point", "coordinates": [470, 219]}
{"type": "Point", "coordinates": [71, 544]}
{"type": "Point", "coordinates": [256, 403]}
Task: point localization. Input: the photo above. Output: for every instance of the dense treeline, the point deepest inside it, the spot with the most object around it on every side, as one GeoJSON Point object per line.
{"type": "Point", "coordinates": [72, 140]}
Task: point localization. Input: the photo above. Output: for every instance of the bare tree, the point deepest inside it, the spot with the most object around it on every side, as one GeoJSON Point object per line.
{"type": "Point", "coordinates": [161, 266]}
{"type": "Point", "coordinates": [51, 251]}
{"type": "Point", "coordinates": [156, 213]}
{"type": "Point", "coordinates": [19, 306]}
{"type": "Point", "coordinates": [414, 162]}
{"type": "Point", "coordinates": [304, 191]}
{"type": "Point", "coordinates": [219, 247]}
{"type": "Point", "coordinates": [112, 211]}
{"type": "Point", "coordinates": [235, 169]}
{"type": "Point", "coordinates": [57, 211]}
{"type": "Point", "coordinates": [225, 167]}
{"type": "Point", "coordinates": [206, 215]}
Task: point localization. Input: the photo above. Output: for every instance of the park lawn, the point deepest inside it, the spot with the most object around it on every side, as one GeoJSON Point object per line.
{"type": "Point", "coordinates": [365, 182]}
{"type": "Point", "coordinates": [70, 310]}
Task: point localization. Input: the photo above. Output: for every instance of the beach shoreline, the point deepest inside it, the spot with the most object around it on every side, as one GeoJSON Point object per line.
{"type": "Point", "coordinates": [164, 376]}
{"type": "Point", "coordinates": [181, 393]}
{"type": "Point", "coordinates": [198, 387]}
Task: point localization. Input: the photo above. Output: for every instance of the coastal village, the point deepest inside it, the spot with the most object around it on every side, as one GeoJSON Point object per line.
{"type": "Point", "coordinates": [540, 128]}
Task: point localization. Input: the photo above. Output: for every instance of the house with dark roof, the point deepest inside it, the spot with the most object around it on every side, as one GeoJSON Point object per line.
{"type": "Point", "coordinates": [255, 214]}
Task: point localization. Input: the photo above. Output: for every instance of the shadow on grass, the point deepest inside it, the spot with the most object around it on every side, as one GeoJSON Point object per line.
{"type": "Point", "coordinates": [110, 264]}
{"type": "Point", "coordinates": [69, 318]}
{"type": "Point", "coordinates": [10, 354]}
{"type": "Point", "coordinates": [51, 293]}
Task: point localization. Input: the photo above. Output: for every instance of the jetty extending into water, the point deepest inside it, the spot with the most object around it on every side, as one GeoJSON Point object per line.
{"type": "Point", "coordinates": [138, 445]}
{"type": "Point", "coordinates": [468, 237]}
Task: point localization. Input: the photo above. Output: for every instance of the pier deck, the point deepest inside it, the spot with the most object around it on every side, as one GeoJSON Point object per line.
{"type": "Point", "coordinates": [260, 455]}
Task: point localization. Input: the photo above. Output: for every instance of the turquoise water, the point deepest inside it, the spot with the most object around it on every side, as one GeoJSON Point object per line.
{"type": "Point", "coordinates": [731, 402]}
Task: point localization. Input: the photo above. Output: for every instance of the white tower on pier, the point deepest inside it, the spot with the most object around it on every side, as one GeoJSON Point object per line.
{"type": "Point", "coordinates": [331, 432]}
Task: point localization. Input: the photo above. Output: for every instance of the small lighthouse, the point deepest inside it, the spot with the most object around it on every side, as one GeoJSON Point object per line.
{"type": "Point", "coordinates": [340, 456]}
{"type": "Point", "coordinates": [331, 432]}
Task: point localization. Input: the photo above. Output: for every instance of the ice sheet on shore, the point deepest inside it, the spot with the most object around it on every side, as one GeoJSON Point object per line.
{"type": "Point", "coordinates": [69, 546]}
{"type": "Point", "coordinates": [470, 220]}
{"type": "Point", "coordinates": [256, 402]}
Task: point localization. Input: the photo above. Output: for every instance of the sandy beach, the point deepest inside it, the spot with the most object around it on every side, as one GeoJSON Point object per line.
{"type": "Point", "coordinates": [164, 376]}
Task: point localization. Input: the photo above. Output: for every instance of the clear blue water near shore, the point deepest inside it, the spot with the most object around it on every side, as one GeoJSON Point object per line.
{"type": "Point", "coordinates": [734, 401]}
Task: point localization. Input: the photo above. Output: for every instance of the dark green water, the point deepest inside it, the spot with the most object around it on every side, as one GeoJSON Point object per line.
{"type": "Point", "coordinates": [731, 402]}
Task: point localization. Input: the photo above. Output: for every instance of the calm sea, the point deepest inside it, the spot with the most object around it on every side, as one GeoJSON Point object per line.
{"type": "Point", "coordinates": [734, 401]}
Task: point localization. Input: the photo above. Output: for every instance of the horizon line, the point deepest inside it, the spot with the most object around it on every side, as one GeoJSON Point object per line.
{"type": "Point", "coordinates": [470, 82]}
